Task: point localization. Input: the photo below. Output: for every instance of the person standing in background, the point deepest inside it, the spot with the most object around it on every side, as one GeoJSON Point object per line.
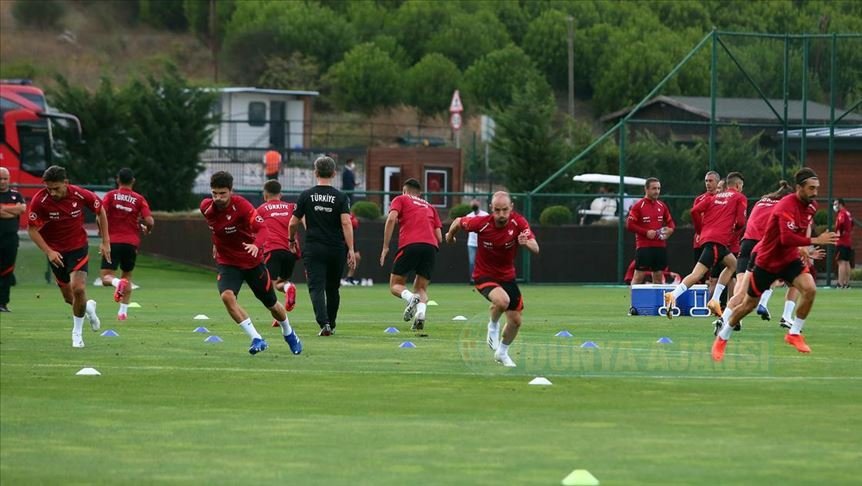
{"type": "Point", "coordinates": [844, 246]}
{"type": "Point", "coordinates": [11, 207]}
{"type": "Point", "coordinates": [472, 237]}
{"type": "Point", "coordinates": [272, 163]}
{"type": "Point", "coordinates": [348, 179]}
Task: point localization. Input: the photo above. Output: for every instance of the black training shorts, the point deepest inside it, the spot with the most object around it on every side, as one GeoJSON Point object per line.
{"type": "Point", "coordinates": [516, 301]}
{"type": "Point", "coordinates": [761, 280]}
{"type": "Point", "coordinates": [257, 278]}
{"type": "Point", "coordinates": [415, 257]}
{"type": "Point", "coordinates": [123, 255]}
{"type": "Point", "coordinates": [651, 259]}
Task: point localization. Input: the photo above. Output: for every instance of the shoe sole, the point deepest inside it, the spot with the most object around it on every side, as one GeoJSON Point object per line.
{"type": "Point", "coordinates": [410, 311]}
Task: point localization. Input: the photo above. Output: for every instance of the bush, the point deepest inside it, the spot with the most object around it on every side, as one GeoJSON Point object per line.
{"type": "Point", "coordinates": [365, 210]}
{"type": "Point", "coordinates": [820, 217]}
{"type": "Point", "coordinates": [459, 210]}
{"type": "Point", "coordinates": [45, 14]}
{"type": "Point", "coordinates": [555, 216]}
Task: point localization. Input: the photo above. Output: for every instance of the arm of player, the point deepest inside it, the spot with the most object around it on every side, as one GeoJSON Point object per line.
{"type": "Point", "coordinates": [388, 229]}
{"type": "Point", "coordinates": [631, 225]}
{"type": "Point", "coordinates": [438, 233]}
{"type": "Point", "coordinates": [105, 245]}
{"type": "Point", "coordinates": [292, 229]}
{"type": "Point", "coordinates": [453, 230]}
{"type": "Point", "coordinates": [9, 211]}
{"type": "Point", "coordinates": [54, 257]}
{"type": "Point", "coordinates": [347, 229]}
{"type": "Point", "coordinates": [147, 224]}
{"type": "Point", "coordinates": [526, 239]}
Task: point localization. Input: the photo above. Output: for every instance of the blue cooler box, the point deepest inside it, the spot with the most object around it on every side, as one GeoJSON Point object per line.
{"type": "Point", "coordinates": [648, 300]}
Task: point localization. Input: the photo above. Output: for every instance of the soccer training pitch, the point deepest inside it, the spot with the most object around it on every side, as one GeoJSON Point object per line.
{"type": "Point", "coordinates": [356, 408]}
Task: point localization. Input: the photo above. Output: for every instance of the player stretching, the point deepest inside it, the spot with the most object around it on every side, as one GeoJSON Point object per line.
{"type": "Point", "coordinates": [500, 235]}
{"type": "Point", "coordinates": [56, 226]}
{"type": "Point", "coordinates": [272, 238]}
{"type": "Point", "coordinates": [777, 256]}
{"type": "Point", "coordinates": [128, 213]}
{"type": "Point", "coordinates": [419, 238]}
{"type": "Point", "coordinates": [723, 216]}
{"type": "Point", "coordinates": [233, 222]}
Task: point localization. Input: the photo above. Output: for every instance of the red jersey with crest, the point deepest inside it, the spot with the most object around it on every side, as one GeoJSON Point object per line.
{"type": "Point", "coordinates": [843, 226]}
{"type": "Point", "coordinates": [786, 230]}
{"type": "Point", "coordinates": [495, 256]}
{"type": "Point", "coordinates": [723, 217]}
{"type": "Point", "coordinates": [417, 221]}
{"type": "Point", "coordinates": [646, 215]}
{"type": "Point", "coordinates": [124, 208]}
{"type": "Point", "coordinates": [758, 218]}
{"type": "Point", "coordinates": [232, 226]}
{"type": "Point", "coordinates": [61, 223]}
{"type": "Point", "coordinates": [273, 235]}
{"type": "Point", "coordinates": [697, 219]}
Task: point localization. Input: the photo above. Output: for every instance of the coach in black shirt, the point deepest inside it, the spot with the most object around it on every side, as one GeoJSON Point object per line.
{"type": "Point", "coordinates": [11, 207]}
{"type": "Point", "coordinates": [328, 242]}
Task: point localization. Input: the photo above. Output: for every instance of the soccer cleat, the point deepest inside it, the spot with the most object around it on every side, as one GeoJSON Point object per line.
{"type": "Point", "coordinates": [738, 326]}
{"type": "Point", "coordinates": [493, 337]}
{"type": "Point", "coordinates": [325, 331]}
{"type": "Point", "coordinates": [3, 308]}
{"type": "Point", "coordinates": [290, 297]}
{"type": "Point", "coordinates": [77, 340]}
{"type": "Point", "coordinates": [798, 342]}
{"type": "Point", "coordinates": [90, 313]}
{"type": "Point", "coordinates": [714, 306]}
{"type": "Point", "coordinates": [275, 323]}
{"type": "Point", "coordinates": [717, 323]}
{"type": "Point", "coordinates": [783, 323]}
{"type": "Point", "coordinates": [258, 345]}
{"type": "Point", "coordinates": [669, 304]}
{"type": "Point", "coordinates": [418, 325]}
{"type": "Point", "coordinates": [718, 348]}
{"type": "Point", "coordinates": [410, 310]}
{"type": "Point", "coordinates": [122, 317]}
{"type": "Point", "coordinates": [121, 289]}
{"type": "Point", "coordinates": [763, 312]}
{"type": "Point", "coordinates": [293, 341]}
{"type": "Point", "coordinates": [504, 359]}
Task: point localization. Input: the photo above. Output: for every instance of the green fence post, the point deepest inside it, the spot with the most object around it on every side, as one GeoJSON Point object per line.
{"type": "Point", "coordinates": [785, 88]}
{"type": "Point", "coordinates": [713, 91]}
{"type": "Point", "coordinates": [621, 224]}
{"type": "Point", "coordinates": [803, 142]}
{"type": "Point", "coordinates": [830, 249]}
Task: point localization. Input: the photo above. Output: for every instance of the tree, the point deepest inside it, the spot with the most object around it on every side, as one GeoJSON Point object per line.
{"type": "Point", "coordinates": [546, 43]}
{"type": "Point", "coordinates": [366, 80]}
{"type": "Point", "coordinates": [417, 21]}
{"type": "Point", "coordinates": [166, 14]}
{"type": "Point", "coordinates": [292, 72]}
{"type": "Point", "coordinates": [430, 83]}
{"type": "Point", "coordinates": [468, 36]}
{"type": "Point", "coordinates": [493, 79]}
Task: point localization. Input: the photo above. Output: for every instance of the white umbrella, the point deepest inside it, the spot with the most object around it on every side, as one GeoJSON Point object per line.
{"type": "Point", "coordinates": [609, 179]}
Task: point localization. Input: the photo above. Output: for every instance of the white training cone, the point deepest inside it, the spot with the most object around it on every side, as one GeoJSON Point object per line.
{"type": "Point", "coordinates": [459, 318]}
{"type": "Point", "coordinates": [201, 317]}
{"type": "Point", "coordinates": [432, 302]}
{"type": "Point", "coordinates": [98, 282]}
{"type": "Point", "coordinates": [134, 305]}
{"type": "Point", "coordinates": [135, 286]}
{"type": "Point", "coordinates": [540, 380]}
{"type": "Point", "coordinates": [580, 477]}
{"type": "Point", "coordinates": [88, 372]}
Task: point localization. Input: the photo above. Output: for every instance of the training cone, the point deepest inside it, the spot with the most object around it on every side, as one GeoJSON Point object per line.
{"type": "Point", "coordinates": [589, 344]}
{"type": "Point", "coordinates": [391, 330]}
{"type": "Point", "coordinates": [432, 302]}
{"type": "Point", "coordinates": [134, 305]}
{"type": "Point", "coordinates": [135, 286]}
{"type": "Point", "coordinates": [213, 339]}
{"type": "Point", "coordinates": [110, 333]}
{"type": "Point", "coordinates": [88, 372]}
{"type": "Point", "coordinates": [459, 318]}
{"type": "Point", "coordinates": [407, 344]}
{"type": "Point", "coordinates": [201, 317]}
{"type": "Point", "coordinates": [664, 340]}
{"type": "Point", "coordinates": [563, 333]}
{"type": "Point", "coordinates": [580, 477]}
{"type": "Point", "coordinates": [98, 282]}
{"type": "Point", "coordinates": [201, 329]}
{"type": "Point", "coordinates": [540, 380]}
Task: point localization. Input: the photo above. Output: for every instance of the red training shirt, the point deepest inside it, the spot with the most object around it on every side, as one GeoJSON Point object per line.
{"type": "Point", "coordinates": [124, 207]}
{"type": "Point", "coordinates": [61, 223]}
{"type": "Point", "coordinates": [495, 256]}
{"type": "Point", "coordinates": [231, 227]}
{"type": "Point", "coordinates": [785, 232]}
{"type": "Point", "coordinates": [697, 219]}
{"type": "Point", "coordinates": [844, 226]}
{"type": "Point", "coordinates": [646, 215]}
{"type": "Point", "coordinates": [758, 218]}
{"type": "Point", "coordinates": [723, 217]}
{"type": "Point", "coordinates": [417, 221]}
{"type": "Point", "coordinates": [273, 235]}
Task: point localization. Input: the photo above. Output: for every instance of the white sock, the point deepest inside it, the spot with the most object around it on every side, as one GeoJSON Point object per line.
{"type": "Point", "coordinates": [249, 329]}
{"type": "Point", "coordinates": [91, 308]}
{"type": "Point", "coordinates": [286, 330]}
{"type": "Point", "coordinates": [503, 349]}
{"type": "Point", "coordinates": [789, 305]}
{"type": "Point", "coordinates": [420, 310]}
{"type": "Point", "coordinates": [115, 281]}
{"type": "Point", "coordinates": [124, 309]}
{"type": "Point", "coordinates": [725, 316]}
{"type": "Point", "coordinates": [77, 324]}
{"type": "Point", "coordinates": [679, 290]}
{"type": "Point", "coordinates": [407, 295]}
{"type": "Point", "coordinates": [797, 326]}
{"type": "Point", "coordinates": [764, 298]}
{"type": "Point", "coordinates": [725, 331]}
{"type": "Point", "coordinates": [494, 325]}
{"type": "Point", "coordinates": [716, 293]}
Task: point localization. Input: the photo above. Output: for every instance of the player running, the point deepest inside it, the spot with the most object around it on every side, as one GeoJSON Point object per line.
{"type": "Point", "coordinates": [272, 238]}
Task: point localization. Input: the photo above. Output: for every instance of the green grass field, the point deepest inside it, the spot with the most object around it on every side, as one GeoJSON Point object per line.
{"type": "Point", "coordinates": [355, 408]}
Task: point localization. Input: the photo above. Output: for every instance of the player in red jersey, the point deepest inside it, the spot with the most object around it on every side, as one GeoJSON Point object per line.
{"type": "Point", "coordinates": [710, 182]}
{"type": "Point", "coordinates": [419, 237]}
{"type": "Point", "coordinates": [272, 238]}
{"type": "Point", "coordinates": [233, 222]}
{"type": "Point", "coordinates": [650, 220]}
{"type": "Point", "coordinates": [500, 235]}
{"type": "Point", "coordinates": [777, 256]}
{"type": "Point", "coordinates": [350, 278]}
{"type": "Point", "coordinates": [844, 247]}
{"type": "Point", "coordinates": [128, 214]}
{"type": "Point", "coordinates": [723, 216]}
{"type": "Point", "coordinates": [56, 226]}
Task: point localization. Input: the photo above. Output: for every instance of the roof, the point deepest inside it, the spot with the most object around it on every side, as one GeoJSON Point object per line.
{"type": "Point", "coordinates": [751, 109]}
{"type": "Point", "coordinates": [248, 89]}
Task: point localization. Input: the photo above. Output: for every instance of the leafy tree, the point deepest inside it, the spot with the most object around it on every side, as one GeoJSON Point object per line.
{"type": "Point", "coordinates": [390, 45]}
{"type": "Point", "coordinates": [468, 36]}
{"type": "Point", "coordinates": [166, 14]}
{"type": "Point", "coordinates": [430, 84]}
{"type": "Point", "coordinates": [493, 79]}
{"type": "Point", "coordinates": [365, 80]}
{"type": "Point", "coordinates": [292, 72]}
{"type": "Point", "coordinates": [197, 12]}
{"type": "Point", "coordinates": [367, 17]}
{"type": "Point", "coordinates": [546, 43]}
{"type": "Point", "coordinates": [512, 16]}
{"type": "Point", "coordinates": [416, 22]}
{"type": "Point", "coordinates": [44, 15]}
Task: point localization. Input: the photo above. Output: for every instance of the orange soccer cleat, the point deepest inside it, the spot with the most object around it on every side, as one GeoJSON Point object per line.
{"type": "Point", "coordinates": [718, 348]}
{"type": "Point", "coordinates": [121, 289]}
{"type": "Point", "coordinates": [714, 306]}
{"type": "Point", "coordinates": [669, 304]}
{"type": "Point", "coordinates": [798, 342]}
{"type": "Point", "coordinates": [290, 297]}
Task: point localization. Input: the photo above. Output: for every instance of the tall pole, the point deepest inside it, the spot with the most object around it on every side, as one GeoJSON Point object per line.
{"type": "Point", "coordinates": [713, 92]}
{"type": "Point", "coordinates": [214, 39]}
{"type": "Point", "coordinates": [833, 66]}
{"type": "Point", "coordinates": [803, 142]}
{"type": "Point", "coordinates": [785, 93]}
{"type": "Point", "coordinates": [571, 46]}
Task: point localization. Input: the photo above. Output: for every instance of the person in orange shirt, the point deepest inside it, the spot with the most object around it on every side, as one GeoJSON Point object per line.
{"type": "Point", "coordinates": [272, 163]}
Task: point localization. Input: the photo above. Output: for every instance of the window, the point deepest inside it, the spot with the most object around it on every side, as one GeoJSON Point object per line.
{"type": "Point", "coordinates": [257, 113]}
{"type": "Point", "coordinates": [436, 181]}
{"type": "Point", "coordinates": [34, 147]}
